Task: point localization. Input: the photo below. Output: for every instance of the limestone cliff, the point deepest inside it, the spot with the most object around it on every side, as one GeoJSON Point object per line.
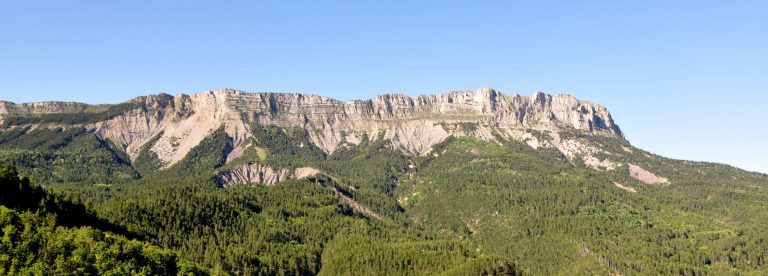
{"type": "Point", "coordinates": [412, 124]}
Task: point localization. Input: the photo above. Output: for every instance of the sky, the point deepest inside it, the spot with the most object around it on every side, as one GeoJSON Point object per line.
{"type": "Point", "coordinates": [683, 79]}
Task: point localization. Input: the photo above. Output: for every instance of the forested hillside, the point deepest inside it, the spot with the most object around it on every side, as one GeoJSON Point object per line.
{"type": "Point", "coordinates": [48, 234]}
{"type": "Point", "coordinates": [554, 219]}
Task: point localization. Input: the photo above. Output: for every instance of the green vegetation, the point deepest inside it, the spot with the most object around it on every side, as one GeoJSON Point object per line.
{"type": "Point", "coordinates": [366, 172]}
{"type": "Point", "coordinates": [556, 219]}
{"type": "Point", "coordinates": [147, 160]}
{"type": "Point", "coordinates": [472, 208]}
{"type": "Point", "coordinates": [286, 144]}
{"type": "Point", "coordinates": [364, 256]}
{"type": "Point", "coordinates": [259, 230]}
{"type": "Point", "coordinates": [59, 155]}
{"type": "Point", "coordinates": [39, 238]}
{"type": "Point", "coordinates": [210, 154]}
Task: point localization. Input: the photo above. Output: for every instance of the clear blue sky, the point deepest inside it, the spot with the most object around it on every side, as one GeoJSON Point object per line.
{"type": "Point", "coordinates": [685, 79]}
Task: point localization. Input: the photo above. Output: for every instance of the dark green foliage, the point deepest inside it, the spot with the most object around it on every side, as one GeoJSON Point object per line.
{"type": "Point", "coordinates": [147, 160]}
{"type": "Point", "coordinates": [248, 230]}
{"type": "Point", "coordinates": [208, 155]}
{"type": "Point", "coordinates": [485, 266]}
{"type": "Point", "coordinates": [286, 143]}
{"type": "Point", "coordinates": [357, 255]}
{"type": "Point", "coordinates": [20, 194]}
{"type": "Point", "coordinates": [33, 244]}
{"type": "Point", "coordinates": [50, 234]}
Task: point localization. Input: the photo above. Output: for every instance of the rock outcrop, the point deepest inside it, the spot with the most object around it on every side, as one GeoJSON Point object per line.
{"type": "Point", "coordinates": [260, 174]}
{"type": "Point", "coordinates": [644, 176]}
{"type": "Point", "coordinates": [413, 124]}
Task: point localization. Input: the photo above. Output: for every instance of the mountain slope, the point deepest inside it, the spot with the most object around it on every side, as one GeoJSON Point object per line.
{"type": "Point", "coordinates": [565, 220]}
{"type": "Point", "coordinates": [459, 183]}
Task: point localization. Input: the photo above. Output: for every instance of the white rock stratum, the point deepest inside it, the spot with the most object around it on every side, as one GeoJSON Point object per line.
{"type": "Point", "coordinates": [256, 173]}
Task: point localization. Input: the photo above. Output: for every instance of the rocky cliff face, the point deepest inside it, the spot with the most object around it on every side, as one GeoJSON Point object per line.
{"type": "Point", "coordinates": [260, 174]}
{"type": "Point", "coordinates": [412, 124]}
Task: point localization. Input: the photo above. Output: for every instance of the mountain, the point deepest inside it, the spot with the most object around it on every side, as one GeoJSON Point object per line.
{"type": "Point", "coordinates": [464, 182]}
{"type": "Point", "coordinates": [175, 124]}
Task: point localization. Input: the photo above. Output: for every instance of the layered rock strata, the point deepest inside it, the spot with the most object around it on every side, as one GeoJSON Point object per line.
{"type": "Point", "coordinates": [260, 174]}
{"type": "Point", "coordinates": [412, 124]}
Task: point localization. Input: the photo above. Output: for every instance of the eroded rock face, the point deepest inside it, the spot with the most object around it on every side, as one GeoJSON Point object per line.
{"type": "Point", "coordinates": [573, 149]}
{"type": "Point", "coordinates": [644, 176]}
{"type": "Point", "coordinates": [260, 174]}
{"type": "Point", "coordinates": [412, 124]}
{"type": "Point", "coordinates": [182, 122]}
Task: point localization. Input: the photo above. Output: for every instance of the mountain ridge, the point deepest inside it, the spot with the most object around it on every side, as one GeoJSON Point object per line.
{"type": "Point", "coordinates": [413, 124]}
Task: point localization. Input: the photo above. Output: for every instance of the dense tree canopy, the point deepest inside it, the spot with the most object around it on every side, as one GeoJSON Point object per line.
{"type": "Point", "coordinates": [35, 242]}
